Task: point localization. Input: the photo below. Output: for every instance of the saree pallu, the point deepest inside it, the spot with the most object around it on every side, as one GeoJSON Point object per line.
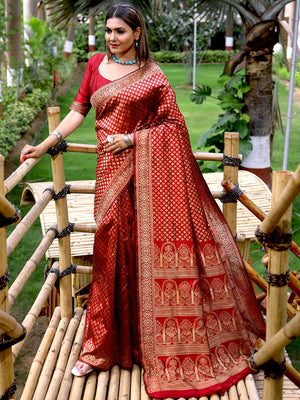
{"type": "Point", "coordinates": [165, 260]}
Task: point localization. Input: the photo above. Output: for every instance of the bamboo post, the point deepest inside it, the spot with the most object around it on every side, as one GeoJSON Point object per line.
{"type": "Point", "coordinates": [7, 208]}
{"type": "Point", "coordinates": [288, 195]}
{"type": "Point", "coordinates": [62, 219]}
{"type": "Point", "coordinates": [6, 359]}
{"type": "Point", "coordinates": [231, 149]}
{"type": "Point", "coordinates": [277, 296]}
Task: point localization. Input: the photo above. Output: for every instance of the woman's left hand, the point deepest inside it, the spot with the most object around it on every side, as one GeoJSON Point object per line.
{"type": "Point", "coordinates": [117, 145]}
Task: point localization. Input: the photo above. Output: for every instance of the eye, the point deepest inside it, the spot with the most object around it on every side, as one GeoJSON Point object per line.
{"type": "Point", "coordinates": [107, 30]}
{"type": "Point", "coordinates": [120, 31]}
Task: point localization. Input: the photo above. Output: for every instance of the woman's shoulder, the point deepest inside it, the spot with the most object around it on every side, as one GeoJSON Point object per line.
{"type": "Point", "coordinates": [95, 59]}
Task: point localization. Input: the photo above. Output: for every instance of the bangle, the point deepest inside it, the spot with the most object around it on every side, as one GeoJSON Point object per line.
{"type": "Point", "coordinates": [57, 134]}
{"type": "Point", "coordinates": [127, 140]}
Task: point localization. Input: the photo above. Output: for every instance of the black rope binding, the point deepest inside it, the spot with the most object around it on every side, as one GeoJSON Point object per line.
{"type": "Point", "coordinates": [62, 146]}
{"type": "Point", "coordinates": [4, 279]}
{"type": "Point", "coordinates": [8, 342]}
{"type": "Point", "coordinates": [10, 391]}
{"type": "Point", "coordinates": [277, 280]}
{"type": "Point", "coordinates": [61, 194]}
{"type": "Point", "coordinates": [70, 270]}
{"type": "Point", "coordinates": [272, 369]}
{"type": "Point", "coordinates": [231, 161]}
{"type": "Point", "coordinates": [8, 221]}
{"type": "Point", "coordinates": [232, 195]}
{"type": "Point", "coordinates": [65, 232]}
{"type": "Point", "coordinates": [275, 240]}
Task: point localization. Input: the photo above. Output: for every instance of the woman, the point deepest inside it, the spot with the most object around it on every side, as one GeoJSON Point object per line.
{"type": "Point", "coordinates": [169, 289]}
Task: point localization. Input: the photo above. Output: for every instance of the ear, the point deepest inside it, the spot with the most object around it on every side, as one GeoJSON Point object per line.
{"type": "Point", "coordinates": [137, 33]}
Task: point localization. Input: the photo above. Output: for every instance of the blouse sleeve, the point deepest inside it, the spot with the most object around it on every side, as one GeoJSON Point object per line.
{"type": "Point", "coordinates": [81, 102]}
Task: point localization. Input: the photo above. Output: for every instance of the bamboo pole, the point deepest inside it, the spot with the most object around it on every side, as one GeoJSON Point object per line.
{"type": "Point", "coordinates": [278, 342]}
{"type": "Point", "coordinates": [35, 310]}
{"type": "Point", "coordinates": [7, 208]}
{"type": "Point", "coordinates": [77, 388]}
{"type": "Point", "coordinates": [205, 156]}
{"type": "Point", "coordinates": [276, 299]}
{"type": "Point", "coordinates": [288, 195]}
{"type": "Point", "coordinates": [16, 177]}
{"type": "Point", "coordinates": [48, 367]}
{"type": "Point", "coordinates": [90, 386]}
{"type": "Point", "coordinates": [125, 380]}
{"type": "Point", "coordinates": [262, 284]}
{"type": "Point", "coordinates": [225, 396]}
{"type": "Point", "coordinates": [74, 355]}
{"type": "Point", "coordinates": [102, 385]}
{"type": "Point", "coordinates": [30, 266]}
{"type": "Point", "coordinates": [251, 388]}
{"type": "Point", "coordinates": [64, 353]}
{"type": "Point", "coordinates": [62, 219]}
{"type": "Point", "coordinates": [135, 392]}
{"type": "Point", "coordinates": [144, 394]}
{"type": "Point", "coordinates": [25, 224]}
{"type": "Point", "coordinates": [113, 389]}
{"type": "Point", "coordinates": [80, 187]}
{"type": "Point", "coordinates": [6, 359]}
{"type": "Point", "coordinates": [83, 269]}
{"type": "Point", "coordinates": [232, 393]}
{"type": "Point", "coordinates": [82, 148]}
{"type": "Point", "coordinates": [10, 326]}
{"type": "Point", "coordinates": [84, 228]}
{"type": "Point", "coordinates": [242, 390]}
{"type": "Point", "coordinates": [261, 215]}
{"type": "Point", "coordinates": [231, 148]}
{"type": "Point", "coordinates": [40, 356]}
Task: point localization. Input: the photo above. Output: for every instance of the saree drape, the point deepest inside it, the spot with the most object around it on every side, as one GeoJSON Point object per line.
{"type": "Point", "coordinates": [169, 287]}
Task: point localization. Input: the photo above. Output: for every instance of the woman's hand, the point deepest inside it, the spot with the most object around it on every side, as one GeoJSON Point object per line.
{"type": "Point", "coordinates": [29, 151]}
{"type": "Point", "coordinates": [117, 145]}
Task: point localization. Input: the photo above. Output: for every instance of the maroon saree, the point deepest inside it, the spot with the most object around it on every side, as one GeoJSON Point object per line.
{"type": "Point", "coordinates": [169, 287]}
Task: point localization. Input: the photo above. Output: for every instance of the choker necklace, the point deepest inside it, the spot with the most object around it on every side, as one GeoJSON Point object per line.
{"type": "Point", "coordinates": [123, 62]}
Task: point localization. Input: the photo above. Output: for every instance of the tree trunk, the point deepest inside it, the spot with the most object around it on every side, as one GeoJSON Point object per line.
{"type": "Point", "coordinates": [229, 30]}
{"type": "Point", "coordinates": [258, 105]}
{"type": "Point", "coordinates": [70, 38]}
{"type": "Point", "coordinates": [14, 42]}
{"type": "Point", "coordinates": [92, 33]}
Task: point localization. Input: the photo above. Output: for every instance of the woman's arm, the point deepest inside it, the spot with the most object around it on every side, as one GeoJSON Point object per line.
{"type": "Point", "coordinates": [68, 125]}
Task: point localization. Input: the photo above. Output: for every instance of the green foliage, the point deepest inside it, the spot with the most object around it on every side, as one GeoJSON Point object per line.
{"type": "Point", "coordinates": [230, 99]}
{"type": "Point", "coordinates": [208, 56]}
{"type": "Point", "coordinates": [18, 117]}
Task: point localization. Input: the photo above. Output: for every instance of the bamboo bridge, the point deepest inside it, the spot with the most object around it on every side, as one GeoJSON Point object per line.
{"type": "Point", "coordinates": [253, 211]}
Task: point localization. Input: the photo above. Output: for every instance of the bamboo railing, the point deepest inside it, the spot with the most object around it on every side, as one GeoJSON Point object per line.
{"type": "Point", "coordinates": [51, 367]}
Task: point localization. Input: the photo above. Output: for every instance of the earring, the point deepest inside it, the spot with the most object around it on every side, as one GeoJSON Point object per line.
{"type": "Point", "coordinates": [136, 43]}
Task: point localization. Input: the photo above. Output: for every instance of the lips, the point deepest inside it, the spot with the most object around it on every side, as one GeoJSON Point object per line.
{"type": "Point", "coordinates": [114, 46]}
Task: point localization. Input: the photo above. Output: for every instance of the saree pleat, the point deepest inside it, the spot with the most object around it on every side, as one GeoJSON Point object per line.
{"type": "Point", "coordinates": [169, 286]}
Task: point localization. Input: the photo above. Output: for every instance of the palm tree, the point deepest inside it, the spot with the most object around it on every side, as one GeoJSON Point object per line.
{"type": "Point", "coordinates": [261, 25]}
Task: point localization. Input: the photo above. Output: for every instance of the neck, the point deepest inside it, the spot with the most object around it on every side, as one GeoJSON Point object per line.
{"type": "Point", "coordinates": [124, 62]}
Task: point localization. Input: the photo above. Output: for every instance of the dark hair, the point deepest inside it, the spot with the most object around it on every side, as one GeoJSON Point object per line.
{"type": "Point", "coordinates": [132, 17]}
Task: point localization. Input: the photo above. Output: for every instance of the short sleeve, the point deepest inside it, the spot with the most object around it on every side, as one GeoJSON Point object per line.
{"type": "Point", "coordinates": [82, 102]}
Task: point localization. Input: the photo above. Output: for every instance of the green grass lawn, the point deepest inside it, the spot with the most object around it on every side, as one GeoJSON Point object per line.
{"type": "Point", "coordinates": [198, 119]}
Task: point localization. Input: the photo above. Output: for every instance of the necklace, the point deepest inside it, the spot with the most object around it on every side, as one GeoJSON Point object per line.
{"type": "Point", "coordinates": [123, 62]}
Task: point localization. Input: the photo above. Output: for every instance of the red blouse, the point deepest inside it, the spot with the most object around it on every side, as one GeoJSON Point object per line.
{"type": "Point", "coordinates": [92, 80]}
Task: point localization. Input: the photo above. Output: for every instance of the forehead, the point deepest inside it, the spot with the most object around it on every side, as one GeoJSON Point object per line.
{"type": "Point", "coordinates": [115, 23]}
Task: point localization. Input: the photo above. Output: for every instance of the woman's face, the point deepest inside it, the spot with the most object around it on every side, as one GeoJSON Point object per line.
{"type": "Point", "coordinates": [120, 38]}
